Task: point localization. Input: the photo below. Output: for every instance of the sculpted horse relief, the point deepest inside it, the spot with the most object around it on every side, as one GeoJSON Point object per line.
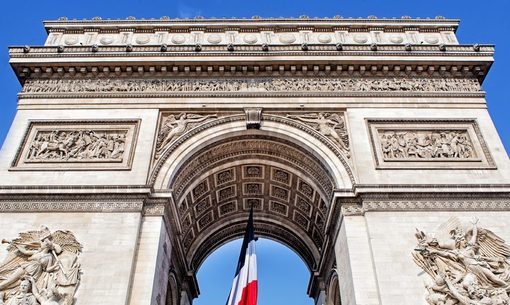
{"type": "Point", "coordinates": [468, 265]}
{"type": "Point", "coordinates": [41, 267]}
{"type": "Point", "coordinates": [75, 145]}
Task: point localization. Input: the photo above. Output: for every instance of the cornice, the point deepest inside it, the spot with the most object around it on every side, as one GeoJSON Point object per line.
{"type": "Point", "coordinates": [100, 190]}
{"type": "Point", "coordinates": [253, 24]}
{"type": "Point", "coordinates": [474, 189]}
{"type": "Point", "coordinates": [252, 50]}
{"type": "Point", "coordinates": [318, 60]}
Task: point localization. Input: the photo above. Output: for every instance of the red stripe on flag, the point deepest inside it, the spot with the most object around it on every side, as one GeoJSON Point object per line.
{"type": "Point", "coordinates": [249, 296]}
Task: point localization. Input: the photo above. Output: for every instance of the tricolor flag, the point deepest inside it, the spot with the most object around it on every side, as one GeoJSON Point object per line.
{"type": "Point", "coordinates": [244, 289]}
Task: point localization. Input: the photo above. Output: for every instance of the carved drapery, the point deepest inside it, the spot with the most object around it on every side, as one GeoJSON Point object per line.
{"type": "Point", "coordinates": [466, 264]}
{"type": "Point", "coordinates": [41, 267]}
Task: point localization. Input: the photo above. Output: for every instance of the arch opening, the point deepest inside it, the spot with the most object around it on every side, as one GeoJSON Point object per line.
{"type": "Point", "coordinates": [282, 275]}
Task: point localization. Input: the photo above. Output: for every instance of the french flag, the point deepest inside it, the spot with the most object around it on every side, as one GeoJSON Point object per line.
{"type": "Point", "coordinates": [244, 289]}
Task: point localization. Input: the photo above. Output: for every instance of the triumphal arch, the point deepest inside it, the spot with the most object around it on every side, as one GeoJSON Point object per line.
{"type": "Point", "coordinates": [364, 145]}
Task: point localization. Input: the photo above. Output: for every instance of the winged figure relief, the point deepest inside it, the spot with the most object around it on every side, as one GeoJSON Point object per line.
{"type": "Point", "coordinates": [174, 126]}
{"type": "Point", "coordinates": [331, 125]}
{"type": "Point", "coordinates": [41, 267]}
{"type": "Point", "coordinates": [468, 265]}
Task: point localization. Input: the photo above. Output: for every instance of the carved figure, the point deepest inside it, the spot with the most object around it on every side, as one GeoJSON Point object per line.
{"type": "Point", "coordinates": [173, 127]}
{"type": "Point", "coordinates": [48, 262]}
{"type": "Point", "coordinates": [74, 145]}
{"type": "Point", "coordinates": [469, 266]}
{"type": "Point", "coordinates": [330, 125]}
{"type": "Point", "coordinates": [426, 145]}
{"type": "Point", "coordinates": [23, 296]}
{"type": "Point", "coordinates": [48, 296]}
{"type": "Point", "coordinates": [254, 85]}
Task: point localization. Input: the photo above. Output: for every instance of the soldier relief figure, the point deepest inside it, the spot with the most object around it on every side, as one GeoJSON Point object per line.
{"type": "Point", "coordinates": [41, 268]}
{"type": "Point", "coordinates": [76, 145]}
{"type": "Point", "coordinates": [426, 145]}
{"type": "Point", "coordinates": [468, 266]}
{"type": "Point", "coordinates": [379, 84]}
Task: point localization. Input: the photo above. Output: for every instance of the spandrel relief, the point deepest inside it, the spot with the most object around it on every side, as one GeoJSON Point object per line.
{"type": "Point", "coordinates": [41, 268]}
{"type": "Point", "coordinates": [174, 125]}
{"type": "Point", "coordinates": [77, 145]}
{"type": "Point", "coordinates": [467, 264]}
{"type": "Point", "coordinates": [331, 125]}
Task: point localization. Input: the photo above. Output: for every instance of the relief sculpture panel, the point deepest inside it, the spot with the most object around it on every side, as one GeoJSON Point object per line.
{"type": "Point", "coordinates": [428, 144]}
{"type": "Point", "coordinates": [41, 268]}
{"type": "Point", "coordinates": [253, 85]}
{"type": "Point", "coordinates": [77, 145]}
{"type": "Point", "coordinates": [467, 264]}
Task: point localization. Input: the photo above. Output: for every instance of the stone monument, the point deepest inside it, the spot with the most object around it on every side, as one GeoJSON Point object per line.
{"type": "Point", "coordinates": [139, 147]}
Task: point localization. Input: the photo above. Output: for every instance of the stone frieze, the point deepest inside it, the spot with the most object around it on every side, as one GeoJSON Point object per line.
{"type": "Point", "coordinates": [77, 145]}
{"type": "Point", "coordinates": [252, 85]}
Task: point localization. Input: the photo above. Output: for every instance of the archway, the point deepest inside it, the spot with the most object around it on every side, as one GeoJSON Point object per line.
{"type": "Point", "coordinates": [287, 172]}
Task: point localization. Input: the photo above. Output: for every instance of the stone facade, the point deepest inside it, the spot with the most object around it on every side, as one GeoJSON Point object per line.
{"type": "Point", "coordinates": [149, 140]}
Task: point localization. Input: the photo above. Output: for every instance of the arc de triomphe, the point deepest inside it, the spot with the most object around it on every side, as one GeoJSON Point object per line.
{"type": "Point", "coordinates": [139, 146]}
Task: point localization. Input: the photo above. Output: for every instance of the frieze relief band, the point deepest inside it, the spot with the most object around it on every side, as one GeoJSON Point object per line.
{"type": "Point", "coordinates": [41, 267]}
{"type": "Point", "coordinates": [428, 144]}
{"type": "Point", "coordinates": [466, 264]}
{"type": "Point", "coordinates": [77, 145]}
{"type": "Point", "coordinates": [252, 85]}
{"type": "Point", "coordinates": [426, 205]}
{"type": "Point", "coordinates": [17, 206]}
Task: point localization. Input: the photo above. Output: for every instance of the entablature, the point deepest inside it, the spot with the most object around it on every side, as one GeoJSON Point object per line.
{"type": "Point", "coordinates": [219, 61]}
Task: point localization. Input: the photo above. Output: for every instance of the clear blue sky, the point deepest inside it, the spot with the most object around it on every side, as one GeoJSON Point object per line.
{"type": "Point", "coordinates": [280, 268]}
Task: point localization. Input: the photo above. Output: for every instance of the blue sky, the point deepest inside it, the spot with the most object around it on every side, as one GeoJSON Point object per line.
{"type": "Point", "coordinates": [280, 268]}
{"type": "Point", "coordinates": [283, 277]}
